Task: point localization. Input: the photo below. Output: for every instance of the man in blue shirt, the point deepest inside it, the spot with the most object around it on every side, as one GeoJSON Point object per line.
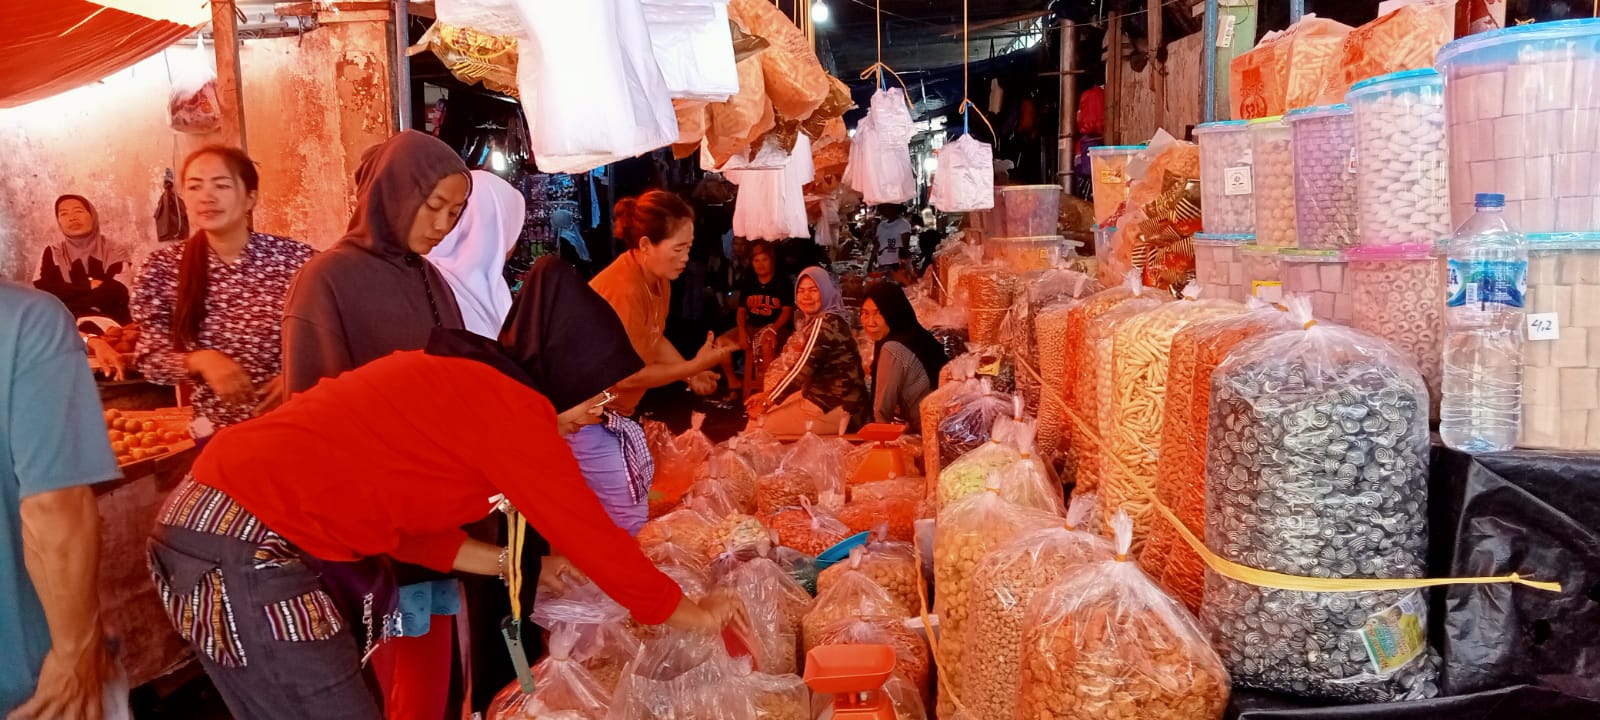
{"type": "Point", "coordinates": [53, 446]}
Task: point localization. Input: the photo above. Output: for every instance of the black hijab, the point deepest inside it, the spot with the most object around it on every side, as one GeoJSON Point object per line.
{"type": "Point", "coordinates": [904, 329]}
{"type": "Point", "coordinates": [566, 337]}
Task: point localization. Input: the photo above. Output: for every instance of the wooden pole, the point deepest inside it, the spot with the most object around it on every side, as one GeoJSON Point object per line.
{"type": "Point", "coordinates": [225, 42]}
{"type": "Point", "coordinates": [1114, 78]}
{"type": "Point", "coordinates": [1158, 72]}
{"type": "Point", "coordinates": [1067, 138]}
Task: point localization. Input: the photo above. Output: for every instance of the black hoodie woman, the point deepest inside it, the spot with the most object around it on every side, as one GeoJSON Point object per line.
{"type": "Point", "coordinates": [84, 269]}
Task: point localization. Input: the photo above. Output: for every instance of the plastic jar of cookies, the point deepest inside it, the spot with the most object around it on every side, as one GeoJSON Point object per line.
{"type": "Point", "coordinates": [1402, 189]}
{"type": "Point", "coordinates": [1272, 179]}
{"type": "Point", "coordinates": [1263, 271]}
{"type": "Point", "coordinates": [1227, 204]}
{"type": "Point", "coordinates": [1324, 176]}
{"type": "Point", "coordinates": [1561, 357]}
{"type": "Point", "coordinates": [1022, 255]}
{"type": "Point", "coordinates": [1218, 267]}
{"type": "Point", "coordinates": [1524, 114]}
{"type": "Point", "coordinates": [1029, 210]}
{"type": "Point", "coordinates": [1108, 168]}
{"type": "Point", "coordinates": [1397, 292]}
{"type": "Point", "coordinates": [1321, 276]}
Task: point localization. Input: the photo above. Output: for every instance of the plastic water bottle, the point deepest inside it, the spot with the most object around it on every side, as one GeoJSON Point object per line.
{"type": "Point", "coordinates": [1481, 410]}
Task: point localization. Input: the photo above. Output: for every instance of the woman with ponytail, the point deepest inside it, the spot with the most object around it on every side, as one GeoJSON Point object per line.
{"type": "Point", "coordinates": [212, 307]}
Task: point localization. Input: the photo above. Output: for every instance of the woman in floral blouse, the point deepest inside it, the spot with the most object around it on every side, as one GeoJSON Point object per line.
{"type": "Point", "coordinates": [212, 308]}
{"type": "Point", "coordinates": [819, 379]}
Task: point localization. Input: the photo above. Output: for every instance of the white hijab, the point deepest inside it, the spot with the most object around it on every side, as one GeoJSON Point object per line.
{"type": "Point", "coordinates": [472, 257]}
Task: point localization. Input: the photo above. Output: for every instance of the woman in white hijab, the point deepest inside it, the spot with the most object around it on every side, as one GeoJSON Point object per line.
{"type": "Point", "coordinates": [472, 257]}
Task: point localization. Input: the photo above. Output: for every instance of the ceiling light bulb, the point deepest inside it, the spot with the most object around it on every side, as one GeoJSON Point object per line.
{"type": "Point", "coordinates": [819, 12]}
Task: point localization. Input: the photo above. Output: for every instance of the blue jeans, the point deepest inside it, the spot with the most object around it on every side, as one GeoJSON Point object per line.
{"type": "Point", "coordinates": [599, 455]}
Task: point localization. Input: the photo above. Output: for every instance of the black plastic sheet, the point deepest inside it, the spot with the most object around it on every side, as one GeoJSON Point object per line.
{"type": "Point", "coordinates": [1536, 514]}
{"type": "Point", "coordinates": [1522, 702]}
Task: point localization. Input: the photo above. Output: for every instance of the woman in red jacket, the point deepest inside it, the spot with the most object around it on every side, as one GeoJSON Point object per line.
{"type": "Point", "coordinates": [389, 461]}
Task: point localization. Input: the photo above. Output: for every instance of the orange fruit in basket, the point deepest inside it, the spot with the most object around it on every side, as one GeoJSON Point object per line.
{"type": "Point", "coordinates": [120, 448]}
{"type": "Point", "coordinates": [170, 437]}
{"type": "Point", "coordinates": [149, 426]}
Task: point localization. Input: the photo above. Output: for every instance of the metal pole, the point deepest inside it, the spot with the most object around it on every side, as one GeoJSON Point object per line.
{"type": "Point", "coordinates": [1297, 9]}
{"type": "Point", "coordinates": [1158, 71]}
{"type": "Point", "coordinates": [1067, 140]}
{"type": "Point", "coordinates": [1114, 79]}
{"type": "Point", "coordinates": [225, 39]}
{"type": "Point", "coordinates": [402, 65]}
{"type": "Point", "coordinates": [1208, 58]}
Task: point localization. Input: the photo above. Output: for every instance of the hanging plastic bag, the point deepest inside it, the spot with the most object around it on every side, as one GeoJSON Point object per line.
{"type": "Point", "coordinates": [970, 427]}
{"type": "Point", "coordinates": [1279, 498]}
{"type": "Point", "coordinates": [692, 47]}
{"type": "Point", "coordinates": [880, 158]}
{"type": "Point", "coordinates": [192, 104]}
{"type": "Point", "coordinates": [892, 565]}
{"type": "Point", "coordinates": [966, 531]}
{"type": "Point", "coordinates": [807, 528]}
{"type": "Point", "coordinates": [771, 203]}
{"type": "Point", "coordinates": [1003, 588]}
{"type": "Point", "coordinates": [615, 105]}
{"type": "Point", "coordinates": [563, 688]}
{"type": "Point", "coordinates": [964, 181]}
{"type": "Point", "coordinates": [1107, 642]}
{"type": "Point", "coordinates": [731, 124]}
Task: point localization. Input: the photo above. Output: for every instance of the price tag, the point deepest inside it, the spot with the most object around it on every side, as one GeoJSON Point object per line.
{"type": "Point", "coordinates": [1352, 168]}
{"type": "Point", "coordinates": [1267, 291]}
{"type": "Point", "coordinates": [1225, 29]}
{"type": "Point", "coordinates": [1544, 326]}
{"type": "Point", "coordinates": [1236, 180]}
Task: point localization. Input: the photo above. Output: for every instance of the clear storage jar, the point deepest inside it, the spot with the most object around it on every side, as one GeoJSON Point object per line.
{"type": "Point", "coordinates": [1263, 271]}
{"type": "Point", "coordinates": [1218, 266]}
{"type": "Point", "coordinates": [1227, 204]}
{"type": "Point", "coordinates": [1321, 276]}
{"type": "Point", "coordinates": [1402, 185]}
{"type": "Point", "coordinates": [1324, 176]}
{"type": "Point", "coordinates": [1029, 211]}
{"type": "Point", "coordinates": [1524, 110]}
{"type": "Point", "coordinates": [1561, 358]}
{"type": "Point", "coordinates": [1108, 168]}
{"type": "Point", "coordinates": [1398, 294]}
{"type": "Point", "coordinates": [1272, 151]}
{"type": "Point", "coordinates": [1023, 255]}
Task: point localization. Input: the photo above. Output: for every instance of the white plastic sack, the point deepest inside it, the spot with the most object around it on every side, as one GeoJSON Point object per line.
{"type": "Point", "coordinates": [693, 48]}
{"type": "Point", "coordinates": [772, 203]}
{"type": "Point", "coordinates": [590, 86]}
{"type": "Point", "coordinates": [192, 106]}
{"type": "Point", "coordinates": [964, 181]}
{"type": "Point", "coordinates": [494, 17]}
{"type": "Point", "coordinates": [770, 156]}
{"type": "Point", "coordinates": [880, 156]}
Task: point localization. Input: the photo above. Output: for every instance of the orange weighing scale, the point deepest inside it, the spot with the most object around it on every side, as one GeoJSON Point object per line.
{"type": "Point", "coordinates": [854, 675]}
{"type": "Point", "coordinates": [883, 462]}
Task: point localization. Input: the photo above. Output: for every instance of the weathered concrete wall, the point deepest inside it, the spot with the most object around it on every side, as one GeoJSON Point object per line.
{"type": "Point", "coordinates": [313, 104]}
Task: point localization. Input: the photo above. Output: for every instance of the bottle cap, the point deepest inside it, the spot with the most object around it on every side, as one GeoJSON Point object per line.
{"type": "Point", "coordinates": [1490, 200]}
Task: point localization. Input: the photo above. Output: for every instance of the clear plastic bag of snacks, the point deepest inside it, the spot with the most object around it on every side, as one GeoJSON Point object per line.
{"type": "Point", "coordinates": [1080, 404]}
{"type": "Point", "coordinates": [969, 426]}
{"type": "Point", "coordinates": [1139, 388]}
{"type": "Point", "coordinates": [823, 461]}
{"type": "Point", "coordinates": [759, 449]}
{"type": "Point", "coordinates": [1197, 350]}
{"type": "Point", "coordinates": [1106, 642]}
{"type": "Point", "coordinates": [890, 564]}
{"type": "Point", "coordinates": [1287, 70]}
{"type": "Point", "coordinates": [1028, 481]}
{"type": "Point", "coordinates": [969, 474]}
{"type": "Point", "coordinates": [1003, 588]}
{"type": "Point", "coordinates": [808, 528]}
{"type": "Point", "coordinates": [680, 675]}
{"type": "Point", "coordinates": [1317, 465]}
{"type": "Point", "coordinates": [891, 504]}
{"type": "Point", "coordinates": [912, 659]}
{"type": "Point", "coordinates": [1096, 385]}
{"type": "Point", "coordinates": [192, 106]}
{"type": "Point", "coordinates": [677, 464]}
{"type": "Point", "coordinates": [1407, 38]}
{"type": "Point", "coordinates": [939, 403]}
{"type": "Point", "coordinates": [727, 479]}
{"type": "Point", "coordinates": [685, 527]}
{"type": "Point", "coordinates": [854, 593]}
{"type": "Point", "coordinates": [785, 487]}
{"type": "Point", "coordinates": [774, 604]}
{"type": "Point", "coordinates": [773, 696]}
{"type": "Point", "coordinates": [800, 566]}
{"type": "Point", "coordinates": [736, 533]}
{"type": "Point", "coordinates": [563, 688]}
{"type": "Point", "coordinates": [965, 532]}
{"type": "Point", "coordinates": [602, 643]}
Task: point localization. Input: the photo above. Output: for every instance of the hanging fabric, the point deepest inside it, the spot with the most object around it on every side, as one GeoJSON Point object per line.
{"type": "Point", "coordinates": [172, 222]}
{"type": "Point", "coordinates": [771, 204]}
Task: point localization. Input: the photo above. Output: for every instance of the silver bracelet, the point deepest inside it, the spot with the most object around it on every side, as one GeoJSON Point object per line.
{"type": "Point", "coordinates": [505, 554]}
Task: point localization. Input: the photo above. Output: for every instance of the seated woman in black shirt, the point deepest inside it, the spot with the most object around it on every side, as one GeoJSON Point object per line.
{"type": "Point", "coordinates": [85, 270]}
{"type": "Point", "coordinates": [766, 302]}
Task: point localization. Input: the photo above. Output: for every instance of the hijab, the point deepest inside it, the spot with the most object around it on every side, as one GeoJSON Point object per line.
{"type": "Point", "coordinates": [85, 248]}
{"type": "Point", "coordinates": [472, 257]}
{"type": "Point", "coordinates": [905, 329]}
{"type": "Point", "coordinates": [566, 337]}
{"type": "Point", "coordinates": [832, 299]}
{"type": "Point", "coordinates": [395, 178]}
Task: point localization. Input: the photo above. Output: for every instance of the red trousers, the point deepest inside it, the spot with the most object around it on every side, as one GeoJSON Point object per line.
{"type": "Point", "coordinates": [414, 673]}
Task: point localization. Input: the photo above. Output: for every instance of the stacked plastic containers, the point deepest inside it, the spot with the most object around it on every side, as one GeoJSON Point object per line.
{"type": "Point", "coordinates": [1263, 271]}
{"type": "Point", "coordinates": [1272, 180]}
{"type": "Point", "coordinates": [1561, 356]}
{"type": "Point", "coordinates": [1025, 228]}
{"type": "Point", "coordinates": [1321, 276]}
{"type": "Point", "coordinates": [1397, 292]}
{"type": "Point", "coordinates": [1218, 265]}
{"type": "Point", "coordinates": [1402, 185]}
{"type": "Point", "coordinates": [1524, 114]}
{"type": "Point", "coordinates": [1324, 176]}
{"type": "Point", "coordinates": [1227, 204]}
{"type": "Point", "coordinates": [1108, 167]}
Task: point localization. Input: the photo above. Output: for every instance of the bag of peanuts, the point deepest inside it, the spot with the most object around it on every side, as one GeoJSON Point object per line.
{"type": "Point", "coordinates": [563, 688]}
{"type": "Point", "coordinates": [808, 528]}
{"type": "Point", "coordinates": [726, 481]}
{"type": "Point", "coordinates": [1317, 466]}
{"type": "Point", "coordinates": [680, 675]}
{"type": "Point", "coordinates": [892, 565]}
{"type": "Point", "coordinates": [785, 487]}
{"type": "Point", "coordinates": [774, 604]}
{"type": "Point", "coordinates": [759, 449]}
{"type": "Point", "coordinates": [1097, 385]}
{"type": "Point", "coordinates": [912, 660]}
{"type": "Point", "coordinates": [1197, 350]}
{"type": "Point", "coordinates": [1006, 581]}
{"type": "Point", "coordinates": [602, 643]}
{"type": "Point", "coordinates": [738, 533]}
{"type": "Point", "coordinates": [890, 504]}
{"type": "Point", "coordinates": [1106, 642]}
{"type": "Point", "coordinates": [970, 425]}
{"type": "Point", "coordinates": [1139, 385]}
{"type": "Point", "coordinates": [823, 461]}
{"type": "Point", "coordinates": [686, 528]}
{"type": "Point", "coordinates": [772, 696]}
{"type": "Point", "coordinates": [1081, 418]}
{"type": "Point", "coordinates": [853, 593]}
{"type": "Point", "coordinates": [965, 532]}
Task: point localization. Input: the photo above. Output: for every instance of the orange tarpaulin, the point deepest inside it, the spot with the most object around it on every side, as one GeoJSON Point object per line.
{"type": "Point", "coordinates": [55, 46]}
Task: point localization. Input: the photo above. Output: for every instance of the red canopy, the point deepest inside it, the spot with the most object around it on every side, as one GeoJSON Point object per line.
{"type": "Point", "coordinates": [51, 46]}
